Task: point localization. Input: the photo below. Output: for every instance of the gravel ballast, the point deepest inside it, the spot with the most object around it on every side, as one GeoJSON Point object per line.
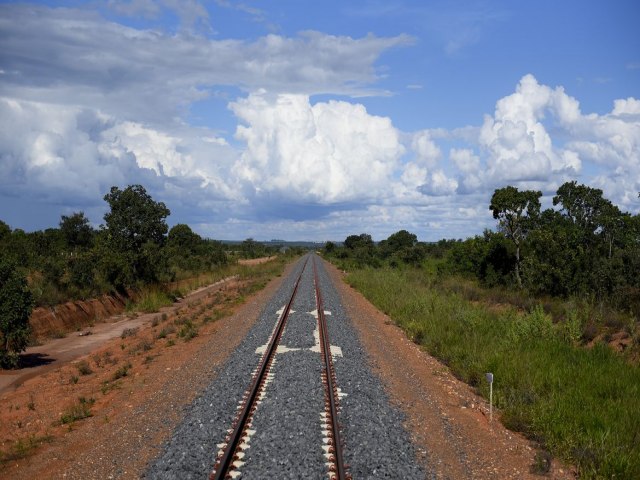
{"type": "Point", "coordinates": [288, 438]}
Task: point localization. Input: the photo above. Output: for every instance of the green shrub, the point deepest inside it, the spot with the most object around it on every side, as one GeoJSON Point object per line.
{"type": "Point", "coordinates": [121, 372]}
{"type": "Point", "coordinates": [77, 411]}
{"type": "Point", "coordinates": [22, 448]}
{"type": "Point", "coordinates": [188, 331]}
{"type": "Point", "coordinates": [536, 325]}
{"type": "Point", "coordinates": [16, 303]}
{"type": "Point", "coordinates": [84, 368]}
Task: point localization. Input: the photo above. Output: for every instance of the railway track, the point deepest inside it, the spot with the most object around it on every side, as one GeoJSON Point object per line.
{"type": "Point", "coordinates": [296, 399]}
{"type": "Point", "coordinates": [232, 453]}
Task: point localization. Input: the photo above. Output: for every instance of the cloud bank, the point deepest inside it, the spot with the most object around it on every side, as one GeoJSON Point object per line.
{"type": "Point", "coordinates": [87, 103]}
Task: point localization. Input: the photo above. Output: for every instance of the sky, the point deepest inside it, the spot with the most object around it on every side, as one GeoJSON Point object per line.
{"type": "Point", "coordinates": [307, 120]}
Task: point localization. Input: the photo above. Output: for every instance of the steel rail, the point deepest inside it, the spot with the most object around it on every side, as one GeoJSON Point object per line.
{"type": "Point", "coordinates": [331, 390]}
{"type": "Point", "coordinates": [224, 464]}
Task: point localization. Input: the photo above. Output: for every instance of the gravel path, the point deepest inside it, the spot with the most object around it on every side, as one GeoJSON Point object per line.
{"type": "Point", "coordinates": [287, 442]}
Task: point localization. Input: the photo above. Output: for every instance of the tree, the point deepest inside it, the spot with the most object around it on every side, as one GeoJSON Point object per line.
{"type": "Point", "coordinates": [184, 248]}
{"type": "Point", "coordinates": [329, 247]}
{"type": "Point", "coordinates": [251, 249]}
{"type": "Point", "coordinates": [581, 204]}
{"type": "Point", "coordinates": [136, 229]}
{"type": "Point", "coordinates": [5, 231]}
{"type": "Point", "coordinates": [76, 230]}
{"type": "Point", "coordinates": [16, 303]}
{"type": "Point", "coordinates": [363, 240]}
{"type": "Point", "coordinates": [516, 213]}
{"type": "Point", "coordinates": [399, 241]}
{"type": "Point", "coordinates": [612, 222]}
{"type": "Point", "coordinates": [182, 238]}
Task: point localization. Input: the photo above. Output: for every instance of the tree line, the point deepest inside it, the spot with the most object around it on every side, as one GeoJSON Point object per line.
{"type": "Point", "coordinates": [134, 247]}
{"type": "Point", "coordinates": [585, 246]}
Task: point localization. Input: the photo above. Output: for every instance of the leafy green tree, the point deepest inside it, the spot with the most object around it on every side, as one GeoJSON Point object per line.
{"type": "Point", "coordinates": [19, 247]}
{"type": "Point", "coordinates": [397, 242]}
{"type": "Point", "coordinates": [363, 240]}
{"type": "Point", "coordinates": [5, 231]}
{"type": "Point", "coordinates": [76, 231]}
{"type": "Point", "coordinates": [329, 247]}
{"type": "Point", "coordinates": [213, 253]}
{"type": "Point", "coordinates": [182, 238]}
{"type": "Point", "coordinates": [113, 267]}
{"type": "Point", "coordinates": [554, 254]}
{"type": "Point", "coordinates": [402, 239]}
{"type": "Point", "coordinates": [362, 250]}
{"type": "Point", "coordinates": [185, 248]}
{"type": "Point", "coordinates": [16, 303]}
{"type": "Point", "coordinates": [516, 213]}
{"type": "Point", "coordinates": [249, 248]}
{"type": "Point", "coordinates": [43, 245]}
{"type": "Point", "coordinates": [612, 223]}
{"type": "Point", "coordinates": [136, 230]}
{"type": "Point", "coordinates": [581, 204]}
{"type": "Point", "coordinates": [81, 274]}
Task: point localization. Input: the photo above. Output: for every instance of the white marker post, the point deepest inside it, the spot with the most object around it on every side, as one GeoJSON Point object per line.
{"type": "Point", "coordinates": [490, 380]}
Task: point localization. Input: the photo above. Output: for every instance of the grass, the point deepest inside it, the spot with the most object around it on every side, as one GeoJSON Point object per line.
{"type": "Point", "coordinates": [580, 404]}
{"type": "Point", "coordinates": [188, 331]}
{"type": "Point", "coordinates": [150, 299]}
{"type": "Point", "coordinates": [122, 371]}
{"type": "Point", "coordinates": [77, 411]}
{"type": "Point", "coordinates": [129, 332]}
{"type": "Point", "coordinates": [22, 448]}
{"type": "Point", "coordinates": [591, 318]}
{"type": "Point", "coordinates": [84, 368]}
{"type": "Point", "coordinates": [168, 330]}
{"type": "Point", "coordinates": [153, 297]}
{"type": "Point", "coordinates": [109, 386]}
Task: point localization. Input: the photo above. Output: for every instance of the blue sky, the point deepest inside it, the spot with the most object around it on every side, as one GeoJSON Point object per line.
{"type": "Point", "coordinates": [315, 120]}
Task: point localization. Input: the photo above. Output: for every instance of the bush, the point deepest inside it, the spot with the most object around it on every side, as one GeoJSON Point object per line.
{"type": "Point", "coordinates": [16, 303]}
{"type": "Point", "coordinates": [534, 326]}
{"type": "Point", "coordinates": [77, 411]}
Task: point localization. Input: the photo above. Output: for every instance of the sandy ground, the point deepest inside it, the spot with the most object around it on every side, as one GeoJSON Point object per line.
{"type": "Point", "coordinates": [136, 389]}
{"type": "Point", "coordinates": [59, 351]}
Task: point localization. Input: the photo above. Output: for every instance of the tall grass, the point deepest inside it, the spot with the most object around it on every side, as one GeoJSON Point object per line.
{"type": "Point", "coordinates": [151, 298]}
{"type": "Point", "coordinates": [583, 405]}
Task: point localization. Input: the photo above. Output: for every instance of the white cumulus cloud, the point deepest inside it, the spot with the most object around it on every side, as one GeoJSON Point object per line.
{"type": "Point", "coordinates": [329, 152]}
{"type": "Point", "coordinates": [519, 147]}
{"type": "Point", "coordinates": [74, 155]}
{"type": "Point", "coordinates": [439, 185]}
{"type": "Point", "coordinates": [425, 148]}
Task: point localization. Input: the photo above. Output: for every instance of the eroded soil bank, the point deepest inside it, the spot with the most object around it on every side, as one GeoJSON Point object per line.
{"type": "Point", "coordinates": [47, 322]}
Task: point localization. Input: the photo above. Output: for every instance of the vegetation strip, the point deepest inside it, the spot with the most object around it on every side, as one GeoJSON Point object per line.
{"type": "Point", "coordinates": [580, 404]}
